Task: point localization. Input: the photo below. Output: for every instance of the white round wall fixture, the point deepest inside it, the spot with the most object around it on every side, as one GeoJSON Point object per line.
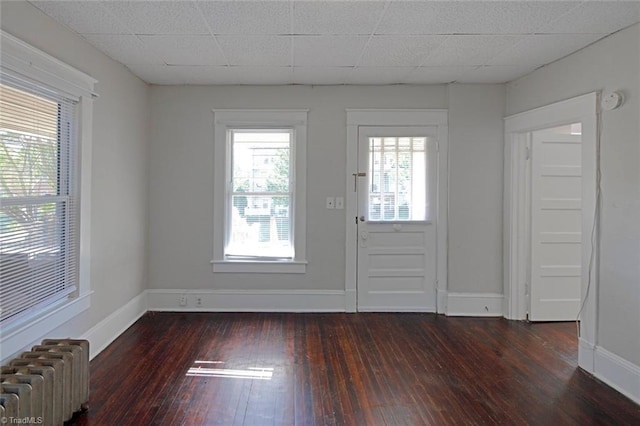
{"type": "Point", "coordinates": [611, 101]}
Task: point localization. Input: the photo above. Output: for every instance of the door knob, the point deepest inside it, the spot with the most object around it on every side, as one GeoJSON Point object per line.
{"type": "Point", "coordinates": [361, 218]}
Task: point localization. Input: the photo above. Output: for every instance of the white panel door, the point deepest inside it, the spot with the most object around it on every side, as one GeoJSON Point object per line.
{"type": "Point", "coordinates": [556, 224]}
{"type": "Point", "coordinates": [396, 219]}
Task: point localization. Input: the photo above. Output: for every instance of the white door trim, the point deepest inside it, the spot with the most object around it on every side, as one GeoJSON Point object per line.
{"type": "Point", "coordinates": [396, 117]}
{"type": "Point", "coordinates": [516, 208]}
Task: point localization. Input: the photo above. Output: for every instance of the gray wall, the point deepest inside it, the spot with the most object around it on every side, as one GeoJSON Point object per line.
{"type": "Point", "coordinates": [181, 174]}
{"type": "Point", "coordinates": [119, 169]}
{"type": "Point", "coordinates": [611, 64]}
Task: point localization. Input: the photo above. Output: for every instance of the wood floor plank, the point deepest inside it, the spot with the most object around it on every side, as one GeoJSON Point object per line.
{"type": "Point", "coordinates": [346, 369]}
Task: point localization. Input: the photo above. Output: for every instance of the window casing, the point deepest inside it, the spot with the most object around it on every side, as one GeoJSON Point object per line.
{"type": "Point", "coordinates": [47, 109]}
{"type": "Point", "coordinates": [259, 197]}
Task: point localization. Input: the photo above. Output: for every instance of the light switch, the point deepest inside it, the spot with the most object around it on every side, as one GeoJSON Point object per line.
{"type": "Point", "coordinates": [340, 203]}
{"type": "Point", "coordinates": [331, 203]}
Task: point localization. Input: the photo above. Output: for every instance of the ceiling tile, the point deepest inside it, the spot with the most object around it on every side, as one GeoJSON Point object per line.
{"type": "Point", "coordinates": [482, 17]}
{"type": "Point", "coordinates": [336, 17]}
{"type": "Point", "coordinates": [436, 75]}
{"type": "Point", "coordinates": [328, 50]}
{"type": "Point", "coordinates": [263, 75]}
{"type": "Point", "coordinates": [320, 75]}
{"type": "Point", "coordinates": [542, 49]}
{"type": "Point", "coordinates": [127, 49]}
{"type": "Point", "coordinates": [257, 50]}
{"type": "Point", "coordinates": [83, 17]}
{"type": "Point", "coordinates": [596, 17]}
{"type": "Point", "coordinates": [397, 51]}
{"type": "Point", "coordinates": [185, 50]}
{"type": "Point", "coordinates": [224, 17]}
{"type": "Point", "coordinates": [378, 75]}
{"type": "Point", "coordinates": [469, 49]}
{"type": "Point", "coordinates": [495, 74]}
{"type": "Point", "coordinates": [159, 17]}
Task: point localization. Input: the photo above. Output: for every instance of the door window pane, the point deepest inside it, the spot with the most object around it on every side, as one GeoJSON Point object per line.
{"type": "Point", "coordinates": [397, 178]}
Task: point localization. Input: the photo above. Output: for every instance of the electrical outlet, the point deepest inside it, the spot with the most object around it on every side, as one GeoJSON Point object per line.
{"type": "Point", "coordinates": [331, 203]}
{"type": "Point", "coordinates": [183, 300]}
{"type": "Point", "coordinates": [199, 301]}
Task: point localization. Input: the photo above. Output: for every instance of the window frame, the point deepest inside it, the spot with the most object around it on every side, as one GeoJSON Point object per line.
{"type": "Point", "coordinates": [226, 121]}
{"type": "Point", "coordinates": [29, 64]}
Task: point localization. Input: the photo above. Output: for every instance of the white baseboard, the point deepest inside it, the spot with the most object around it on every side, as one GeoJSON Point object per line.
{"type": "Point", "coordinates": [586, 355]}
{"type": "Point", "coordinates": [441, 301]}
{"type": "Point", "coordinates": [617, 372]}
{"type": "Point", "coordinates": [247, 300]}
{"type": "Point", "coordinates": [474, 304]}
{"type": "Point", "coordinates": [107, 330]}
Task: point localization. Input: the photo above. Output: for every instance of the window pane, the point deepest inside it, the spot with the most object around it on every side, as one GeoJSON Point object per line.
{"type": "Point", "coordinates": [38, 211]}
{"type": "Point", "coordinates": [398, 179]}
{"type": "Point", "coordinates": [260, 161]}
{"type": "Point", "coordinates": [260, 226]}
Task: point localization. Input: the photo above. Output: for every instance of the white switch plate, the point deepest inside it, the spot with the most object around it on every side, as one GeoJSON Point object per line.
{"type": "Point", "coordinates": [331, 203]}
{"type": "Point", "coordinates": [340, 203]}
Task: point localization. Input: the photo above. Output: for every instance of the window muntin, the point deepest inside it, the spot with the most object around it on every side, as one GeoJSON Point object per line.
{"type": "Point", "coordinates": [39, 238]}
{"type": "Point", "coordinates": [260, 196]}
{"type": "Point", "coordinates": [397, 189]}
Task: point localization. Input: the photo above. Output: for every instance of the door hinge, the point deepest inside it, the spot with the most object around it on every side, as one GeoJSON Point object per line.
{"type": "Point", "coordinates": [527, 153]}
{"type": "Point", "coordinates": [437, 146]}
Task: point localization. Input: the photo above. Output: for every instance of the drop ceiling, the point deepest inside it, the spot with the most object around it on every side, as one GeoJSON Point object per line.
{"type": "Point", "coordinates": [339, 42]}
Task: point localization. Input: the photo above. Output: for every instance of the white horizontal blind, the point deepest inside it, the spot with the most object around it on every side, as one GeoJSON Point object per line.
{"type": "Point", "coordinates": [38, 198]}
{"type": "Point", "coordinates": [397, 178]}
{"type": "Point", "coordinates": [260, 195]}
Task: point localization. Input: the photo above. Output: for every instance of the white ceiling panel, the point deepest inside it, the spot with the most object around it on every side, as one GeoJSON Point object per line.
{"type": "Point", "coordinates": [224, 17]}
{"type": "Point", "coordinates": [339, 42]}
{"type": "Point", "coordinates": [470, 49]}
{"type": "Point", "coordinates": [265, 51]}
{"type": "Point", "coordinates": [263, 75]}
{"type": "Point", "coordinates": [159, 17]}
{"type": "Point", "coordinates": [328, 51]}
{"type": "Point", "coordinates": [494, 74]}
{"type": "Point", "coordinates": [127, 49]}
{"type": "Point", "coordinates": [437, 75]}
{"type": "Point", "coordinates": [471, 17]}
{"type": "Point", "coordinates": [543, 49]}
{"type": "Point", "coordinates": [378, 75]}
{"type": "Point", "coordinates": [392, 51]}
{"type": "Point", "coordinates": [320, 75]}
{"type": "Point", "coordinates": [336, 17]}
{"type": "Point", "coordinates": [185, 50]}
{"type": "Point", "coordinates": [83, 17]}
{"type": "Point", "coordinates": [596, 18]}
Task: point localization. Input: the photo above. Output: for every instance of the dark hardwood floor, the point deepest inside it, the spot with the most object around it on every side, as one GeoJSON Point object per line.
{"type": "Point", "coordinates": [346, 369]}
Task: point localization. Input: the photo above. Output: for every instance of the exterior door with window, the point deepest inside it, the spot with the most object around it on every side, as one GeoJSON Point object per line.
{"type": "Point", "coordinates": [396, 247]}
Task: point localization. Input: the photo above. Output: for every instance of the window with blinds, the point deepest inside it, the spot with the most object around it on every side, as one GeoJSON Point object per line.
{"type": "Point", "coordinates": [260, 195]}
{"type": "Point", "coordinates": [38, 198]}
{"type": "Point", "coordinates": [397, 178]}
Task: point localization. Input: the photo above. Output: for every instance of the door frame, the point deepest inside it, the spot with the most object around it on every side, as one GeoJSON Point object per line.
{"type": "Point", "coordinates": [517, 184]}
{"type": "Point", "coordinates": [405, 118]}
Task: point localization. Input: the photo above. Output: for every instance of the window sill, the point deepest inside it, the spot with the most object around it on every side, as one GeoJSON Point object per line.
{"type": "Point", "coordinates": [260, 267]}
{"type": "Point", "coordinates": [15, 337]}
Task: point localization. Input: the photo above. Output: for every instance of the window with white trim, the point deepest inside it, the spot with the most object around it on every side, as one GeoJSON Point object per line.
{"type": "Point", "coordinates": [46, 109]}
{"type": "Point", "coordinates": [38, 198]}
{"type": "Point", "coordinates": [259, 203]}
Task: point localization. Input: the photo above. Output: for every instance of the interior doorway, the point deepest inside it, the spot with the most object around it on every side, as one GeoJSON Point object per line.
{"type": "Point", "coordinates": [550, 224]}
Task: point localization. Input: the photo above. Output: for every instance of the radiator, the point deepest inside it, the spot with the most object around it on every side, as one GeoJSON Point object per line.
{"type": "Point", "coordinates": [47, 385]}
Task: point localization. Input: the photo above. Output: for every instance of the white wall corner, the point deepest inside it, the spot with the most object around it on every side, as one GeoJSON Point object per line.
{"type": "Point", "coordinates": [110, 328]}
{"type": "Point", "coordinates": [617, 372]}
{"type": "Point", "coordinates": [475, 304]}
{"type": "Point", "coordinates": [246, 300]}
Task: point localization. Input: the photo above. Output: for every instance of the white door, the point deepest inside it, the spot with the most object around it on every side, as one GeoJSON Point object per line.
{"type": "Point", "coordinates": [396, 248]}
{"type": "Point", "coordinates": [556, 223]}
